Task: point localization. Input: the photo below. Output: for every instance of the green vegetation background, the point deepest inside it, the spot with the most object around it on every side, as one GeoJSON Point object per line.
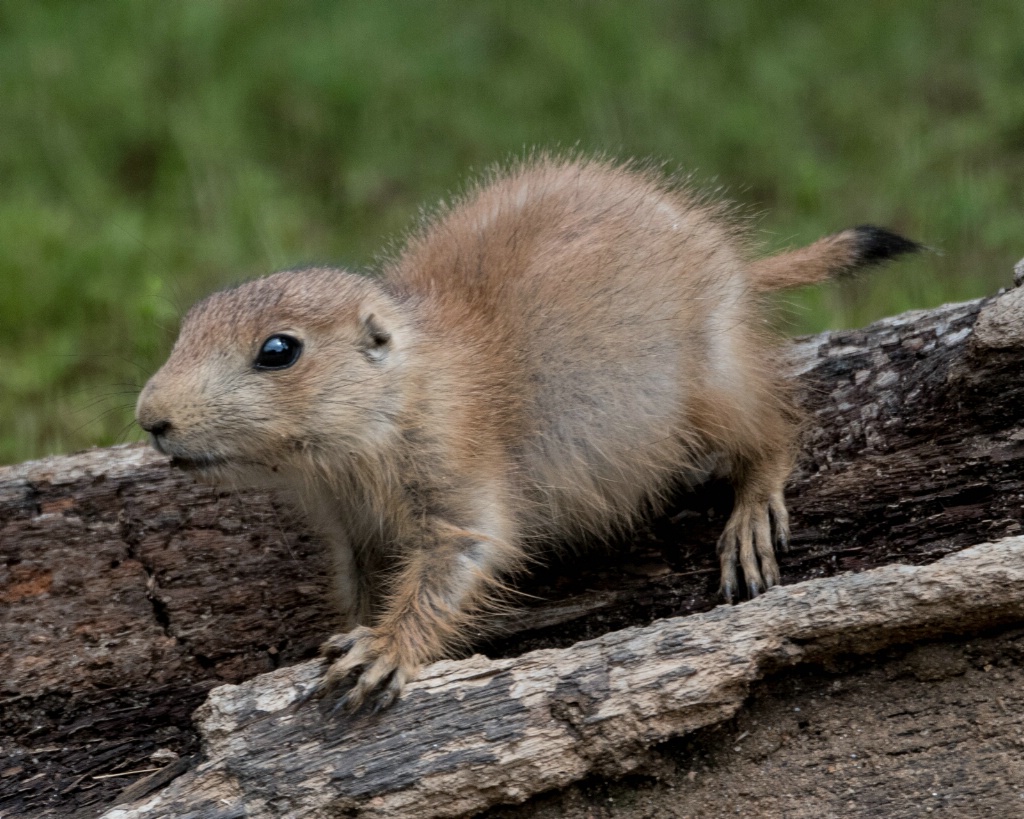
{"type": "Point", "coordinates": [152, 151]}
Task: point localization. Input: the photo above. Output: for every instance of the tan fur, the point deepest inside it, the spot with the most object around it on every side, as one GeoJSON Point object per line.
{"type": "Point", "coordinates": [567, 342]}
{"type": "Point", "coordinates": [815, 263]}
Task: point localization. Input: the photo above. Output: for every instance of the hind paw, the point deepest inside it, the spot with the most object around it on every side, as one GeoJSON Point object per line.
{"type": "Point", "coordinates": [750, 535]}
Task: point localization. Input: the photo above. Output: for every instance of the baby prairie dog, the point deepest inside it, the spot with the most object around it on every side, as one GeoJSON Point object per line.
{"type": "Point", "coordinates": [546, 358]}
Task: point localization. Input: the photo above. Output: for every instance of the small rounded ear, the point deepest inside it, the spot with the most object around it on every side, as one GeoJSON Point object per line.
{"type": "Point", "coordinates": [375, 341]}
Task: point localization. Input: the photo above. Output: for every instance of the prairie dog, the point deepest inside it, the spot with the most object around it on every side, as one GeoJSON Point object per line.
{"type": "Point", "coordinates": [544, 359]}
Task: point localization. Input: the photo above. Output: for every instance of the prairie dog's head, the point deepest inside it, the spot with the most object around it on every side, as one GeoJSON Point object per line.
{"type": "Point", "coordinates": [293, 370]}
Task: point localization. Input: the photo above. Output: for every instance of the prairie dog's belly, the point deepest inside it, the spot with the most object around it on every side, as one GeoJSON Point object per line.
{"type": "Point", "coordinates": [603, 435]}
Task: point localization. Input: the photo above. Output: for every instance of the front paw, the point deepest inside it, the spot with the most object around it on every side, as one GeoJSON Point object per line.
{"type": "Point", "coordinates": [366, 669]}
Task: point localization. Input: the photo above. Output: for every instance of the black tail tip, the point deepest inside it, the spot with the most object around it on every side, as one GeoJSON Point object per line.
{"type": "Point", "coordinates": [876, 245]}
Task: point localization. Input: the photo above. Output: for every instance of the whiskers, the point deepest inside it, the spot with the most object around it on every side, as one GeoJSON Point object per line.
{"type": "Point", "coordinates": [109, 409]}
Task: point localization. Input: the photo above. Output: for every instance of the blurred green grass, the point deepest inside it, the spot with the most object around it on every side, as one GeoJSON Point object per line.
{"type": "Point", "coordinates": [151, 152]}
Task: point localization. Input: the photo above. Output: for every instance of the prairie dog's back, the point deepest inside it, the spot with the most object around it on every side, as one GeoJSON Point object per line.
{"type": "Point", "coordinates": [617, 310]}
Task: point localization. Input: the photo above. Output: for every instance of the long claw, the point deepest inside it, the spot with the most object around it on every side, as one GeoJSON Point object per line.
{"type": "Point", "coordinates": [384, 700]}
{"type": "Point", "coordinates": [344, 705]}
{"type": "Point", "coordinates": [727, 587]}
{"type": "Point", "coordinates": [383, 696]}
{"type": "Point", "coordinates": [728, 591]}
{"type": "Point", "coordinates": [780, 521]}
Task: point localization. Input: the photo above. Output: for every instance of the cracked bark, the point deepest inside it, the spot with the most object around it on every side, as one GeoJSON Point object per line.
{"type": "Point", "coordinates": [479, 732]}
{"type": "Point", "coordinates": [128, 591]}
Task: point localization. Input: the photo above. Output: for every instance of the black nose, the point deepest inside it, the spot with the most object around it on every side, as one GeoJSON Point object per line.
{"type": "Point", "coordinates": [157, 428]}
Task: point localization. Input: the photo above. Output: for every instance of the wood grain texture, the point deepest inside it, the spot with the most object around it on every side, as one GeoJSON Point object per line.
{"type": "Point", "coordinates": [478, 732]}
{"type": "Point", "coordinates": [128, 591]}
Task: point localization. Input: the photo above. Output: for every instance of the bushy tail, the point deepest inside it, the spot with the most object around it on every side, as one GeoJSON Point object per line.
{"type": "Point", "coordinates": [837, 255]}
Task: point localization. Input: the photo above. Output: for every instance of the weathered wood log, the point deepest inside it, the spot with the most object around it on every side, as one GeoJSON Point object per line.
{"type": "Point", "coordinates": [477, 732]}
{"type": "Point", "coordinates": [128, 591]}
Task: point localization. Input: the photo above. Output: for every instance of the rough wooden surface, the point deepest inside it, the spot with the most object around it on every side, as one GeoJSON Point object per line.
{"type": "Point", "coordinates": [932, 729]}
{"type": "Point", "coordinates": [128, 591]}
{"type": "Point", "coordinates": [477, 732]}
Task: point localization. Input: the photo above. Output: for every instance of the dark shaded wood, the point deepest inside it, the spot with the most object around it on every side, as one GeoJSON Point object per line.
{"type": "Point", "coordinates": [128, 591]}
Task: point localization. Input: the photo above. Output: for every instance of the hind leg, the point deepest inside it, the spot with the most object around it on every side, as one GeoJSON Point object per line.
{"type": "Point", "coordinates": [759, 520]}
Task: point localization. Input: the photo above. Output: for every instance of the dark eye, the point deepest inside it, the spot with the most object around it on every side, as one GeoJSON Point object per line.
{"type": "Point", "coordinates": [278, 353]}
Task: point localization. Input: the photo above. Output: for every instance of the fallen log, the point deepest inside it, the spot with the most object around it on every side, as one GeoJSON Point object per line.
{"type": "Point", "coordinates": [477, 732]}
{"type": "Point", "coordinates": [129, 591]}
